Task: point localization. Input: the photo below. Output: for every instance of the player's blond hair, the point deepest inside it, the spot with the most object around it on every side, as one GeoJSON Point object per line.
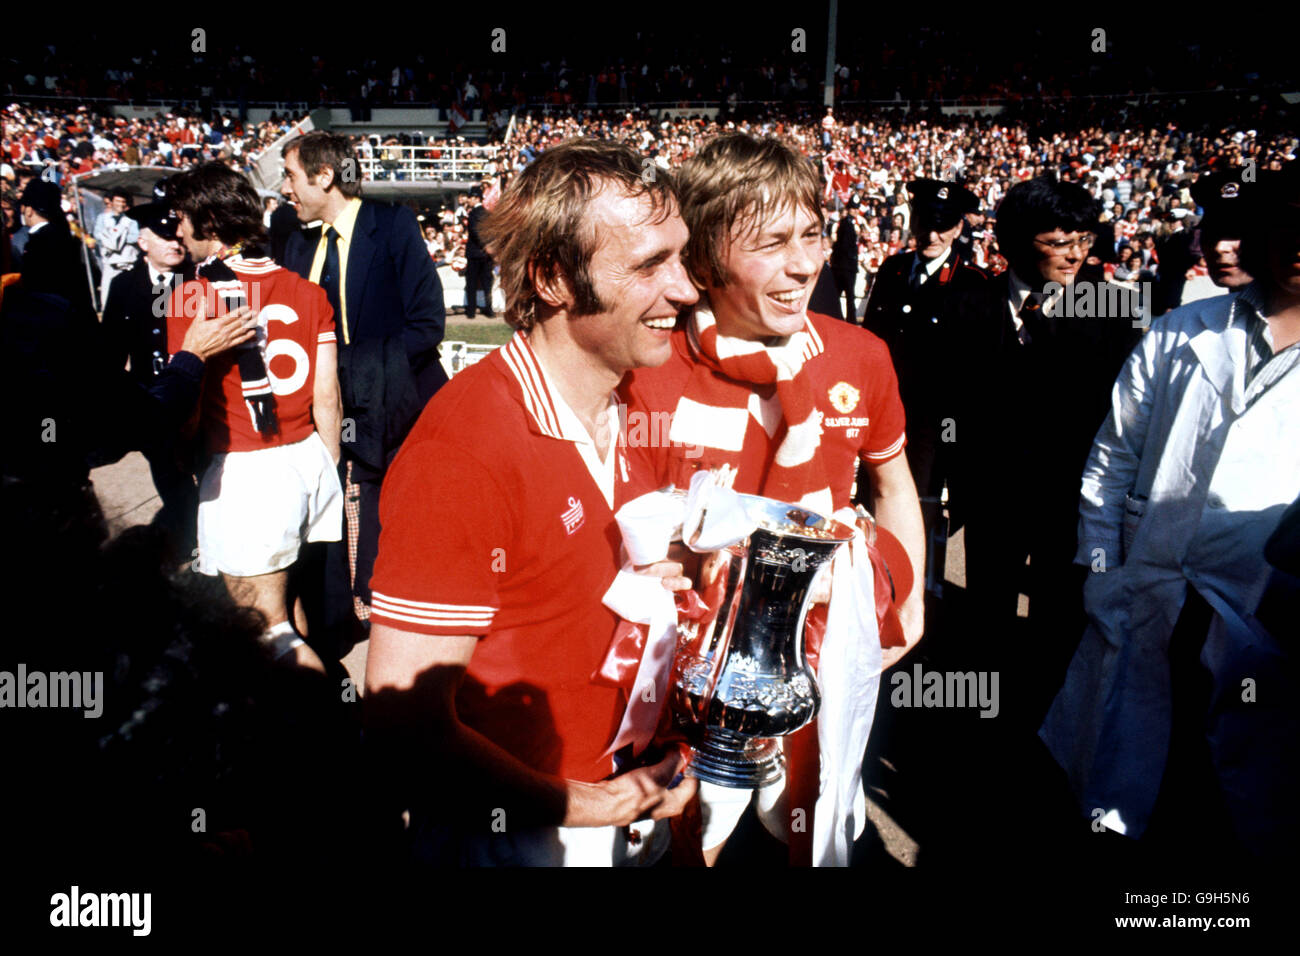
{"type": "Point", "coordinates": [738, 178]}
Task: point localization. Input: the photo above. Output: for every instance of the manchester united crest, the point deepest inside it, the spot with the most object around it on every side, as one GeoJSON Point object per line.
{"type": "Point", "coordinates": [844, 397]}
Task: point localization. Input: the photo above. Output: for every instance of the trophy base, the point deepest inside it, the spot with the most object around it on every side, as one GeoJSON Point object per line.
{"type": "Point", "coordinates": [730, 760]}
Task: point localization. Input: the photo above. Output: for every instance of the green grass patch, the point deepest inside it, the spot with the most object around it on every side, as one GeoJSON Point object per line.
{"type": "Point", "coordinates": [479, 333]}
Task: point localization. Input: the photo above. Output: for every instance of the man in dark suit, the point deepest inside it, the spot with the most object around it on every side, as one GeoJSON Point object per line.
{"type": "Point", "coordinates": [915, 306]}
{"type": "Point", "coordinates": [1040, 354]}
{"type": "Point", "coordinates": [52, 261]}
{"type": "Point", "coordinates": [1175, 254]}
{"type": "Point", "coordinates": [388, 308]}
{"type": "Point", "coordinates": [844, 260]}
{"type": "Point", "coordinates": [478, 264]}
{"type": "Point", "coordinates": [135, 327]}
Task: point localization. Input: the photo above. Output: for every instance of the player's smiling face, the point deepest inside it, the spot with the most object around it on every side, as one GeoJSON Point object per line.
{"type": "Point", "coordinates": [771, 271]}
{"type": "Point", "coordinates": [637, 273]}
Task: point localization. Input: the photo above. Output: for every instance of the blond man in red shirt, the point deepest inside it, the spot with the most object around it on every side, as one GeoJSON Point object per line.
{"type": "Point", "coordinates": [790, 399]}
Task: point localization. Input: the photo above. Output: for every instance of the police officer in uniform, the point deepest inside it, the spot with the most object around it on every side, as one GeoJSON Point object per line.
{"type": "Point", "coordinates": [135, 327]}
{"type": "Point", "coordinates": [914, 306]}
{"type": "Point", "coordinates": [135, 323]}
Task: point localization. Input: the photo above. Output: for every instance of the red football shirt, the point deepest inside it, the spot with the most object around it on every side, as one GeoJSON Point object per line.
{"type": "Point", "coordinates": [493, 526]}
{"type": "Point", "coordinates": [295, 317]}
{"type": "Point", "coordinates": [854, 387]}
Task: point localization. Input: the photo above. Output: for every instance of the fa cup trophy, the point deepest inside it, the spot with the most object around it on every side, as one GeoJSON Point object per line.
{"type": "Point", "coordinates": [740, 678]}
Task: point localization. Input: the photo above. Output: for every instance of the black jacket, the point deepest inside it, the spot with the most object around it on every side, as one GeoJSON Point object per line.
{"type": "Point", "coordinates": [825, 298]}
{"type": "Point", "coordinates": [1026, 415]}
{"type": "Point", "coordinates": [68, 411]}
{"type": "Point", "coordinates": [922, 328]}
{"type": "Point", "coordinates": [392, 292]}
{"type": "Point", "coordinates": [135, 323]}
{"type": "Point", "coordinates": [380, 399]}
{"type": "Point", "coordinates": [844, 254]}
{"type": "Point", "coordinates": [473, 244]}
{"type": "Point", "coordinates": [52, 264]}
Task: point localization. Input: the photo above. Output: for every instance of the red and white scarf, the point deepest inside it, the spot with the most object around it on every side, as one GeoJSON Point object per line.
{"type": "Point", "coordinates": [713, 411]}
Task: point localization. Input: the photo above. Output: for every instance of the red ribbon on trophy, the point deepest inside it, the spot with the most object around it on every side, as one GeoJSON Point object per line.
{"type": "Point", "coordinates": [619, 667]}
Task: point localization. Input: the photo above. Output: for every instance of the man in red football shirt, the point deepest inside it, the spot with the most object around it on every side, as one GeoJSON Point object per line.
{"type": "Point", "coordinates": [498, 538]}
{"type": "Point", "coordinates": [791, 399]}
{"type": "Point", "coordinates": [270, 415]}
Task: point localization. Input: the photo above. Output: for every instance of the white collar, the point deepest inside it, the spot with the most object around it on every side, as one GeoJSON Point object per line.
{"type": "Point", "coordinates": [931, 266]}
{"type": "Point", "coordinates": [556, 419]}
{"type": "Point", "coordinates": [571, 427]}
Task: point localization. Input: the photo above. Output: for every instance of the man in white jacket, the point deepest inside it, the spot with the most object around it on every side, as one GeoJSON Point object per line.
{"type": "Point", "coordinates": [1176, 717]}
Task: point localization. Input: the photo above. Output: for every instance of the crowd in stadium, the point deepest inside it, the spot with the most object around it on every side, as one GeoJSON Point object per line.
{"type": "Point", "coordinates": [1141, 173]}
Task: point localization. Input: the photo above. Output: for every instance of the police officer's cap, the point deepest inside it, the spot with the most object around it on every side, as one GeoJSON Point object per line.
{"type": "Point", "coordinates": [940, 202]}
{"type": "Point", "coordinates": [158, 218]}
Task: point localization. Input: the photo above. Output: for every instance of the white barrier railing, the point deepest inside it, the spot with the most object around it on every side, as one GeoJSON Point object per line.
{"type": "Point", "coordinates": [466, 164]}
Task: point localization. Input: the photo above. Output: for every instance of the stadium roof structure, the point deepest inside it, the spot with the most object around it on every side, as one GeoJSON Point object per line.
{"type": "Point", "coordinates": [137, 180]}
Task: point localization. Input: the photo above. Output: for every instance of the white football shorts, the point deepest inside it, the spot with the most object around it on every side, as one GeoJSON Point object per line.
{"type": "Point", "coordinates": [256, 508]}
